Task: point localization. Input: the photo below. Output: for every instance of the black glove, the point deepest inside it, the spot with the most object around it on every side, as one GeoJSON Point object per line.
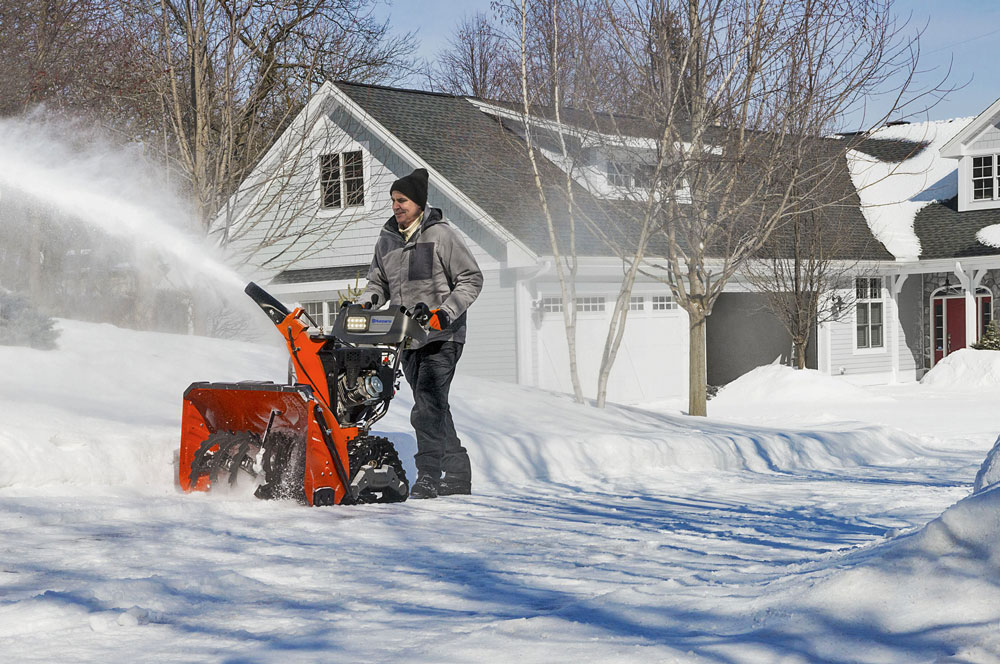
{"type": "Point", "coordinates": [439, 319]}
{"type": "Point", "coordinates": [346, 303]}
{"type": "Point", "coordinates": [421, 313]}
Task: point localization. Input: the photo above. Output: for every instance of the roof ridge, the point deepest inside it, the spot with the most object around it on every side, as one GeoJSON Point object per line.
{"type": "Point", "coordinates": [398, 89]}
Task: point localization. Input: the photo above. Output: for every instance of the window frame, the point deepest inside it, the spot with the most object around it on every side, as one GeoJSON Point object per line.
{"type": "Point", "coordinates": [344, 181]}
{"type": "Point", "coordinates": [663, 302]}
{"type": "Point", "coordinates": [990, 178]}
{"type": "Point", "coordinates": [864, 300]}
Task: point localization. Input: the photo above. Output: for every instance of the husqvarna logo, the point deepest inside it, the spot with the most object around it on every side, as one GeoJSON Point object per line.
{"type": "Point", "coordinates": [380, 323]}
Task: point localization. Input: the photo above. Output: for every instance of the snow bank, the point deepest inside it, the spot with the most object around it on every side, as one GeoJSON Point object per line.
{"type": "Point", "coordinates": [776, 382]}
{"type": "Point", "coordinates": [892, 194]}
{"type": "Point", "coordinates": [537, 435]}
{"type": "Point", "coordinates": [907, 591]}
{"type": "Point", "coordinates": [966, 369]}
{"type": "Point", "coordinates": [104, 411]}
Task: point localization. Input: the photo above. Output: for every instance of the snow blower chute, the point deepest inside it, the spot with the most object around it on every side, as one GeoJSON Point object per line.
{"type": "Point", "coordinates": [309, 439]}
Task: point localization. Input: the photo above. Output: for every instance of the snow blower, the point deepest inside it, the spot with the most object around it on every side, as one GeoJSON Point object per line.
{"type": "Point", "coordinates": [307, 440]}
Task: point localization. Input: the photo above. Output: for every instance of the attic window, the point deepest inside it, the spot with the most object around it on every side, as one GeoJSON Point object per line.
{"type": "Point", "coordinates": [984, 174]}
{"type": "Point", "coordinates": [630, 175]}
{"type": "Point", "coordinates": [342, 180]}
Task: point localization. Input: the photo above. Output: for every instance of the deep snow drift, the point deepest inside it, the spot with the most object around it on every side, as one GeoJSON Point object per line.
{"type": "Point", "coordinates": [780, 528]}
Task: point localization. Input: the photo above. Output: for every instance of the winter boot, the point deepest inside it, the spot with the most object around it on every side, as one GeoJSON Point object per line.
{"type": "Point", "coordinates": [451, 486]}
{"type": "Point", "coordinates": [425, 487]}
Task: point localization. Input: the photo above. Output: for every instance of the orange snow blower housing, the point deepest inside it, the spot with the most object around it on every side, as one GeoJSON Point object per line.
{"type": "Point", "coordinates": [309, 439]}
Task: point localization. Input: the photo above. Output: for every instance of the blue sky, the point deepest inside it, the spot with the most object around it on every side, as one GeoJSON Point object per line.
{"type": "Point", "coordinates": [964, 33]}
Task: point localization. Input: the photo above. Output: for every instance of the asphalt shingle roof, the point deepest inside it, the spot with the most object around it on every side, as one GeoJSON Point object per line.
{"type": "Point", "coordinates": [321, 274]}
{"type": "Point", "coordinates": [486, 158]}
{"type": "Point", "coordinates": [945, 232]}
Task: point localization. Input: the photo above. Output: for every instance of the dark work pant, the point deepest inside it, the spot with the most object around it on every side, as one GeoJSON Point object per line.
{"type": "Point", "coordinates": [429, 370]}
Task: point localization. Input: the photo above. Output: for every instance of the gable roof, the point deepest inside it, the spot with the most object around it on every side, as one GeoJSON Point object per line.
{"type": "Point", "coordinates": [956, 146]}
{"type": "Point", "coordinates": [479, 156]}
{"type": "Point", "coordinates": [484, 156]}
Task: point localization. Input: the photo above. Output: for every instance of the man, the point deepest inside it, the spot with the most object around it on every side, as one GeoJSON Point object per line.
{"type": "Point", "coordinates": [422, 263]}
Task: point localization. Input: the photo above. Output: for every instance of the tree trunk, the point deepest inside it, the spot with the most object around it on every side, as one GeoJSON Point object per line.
{"type": "Point", "coordinates": [697, 367]}
{"type": "Point", "coordinates": [801, 345]}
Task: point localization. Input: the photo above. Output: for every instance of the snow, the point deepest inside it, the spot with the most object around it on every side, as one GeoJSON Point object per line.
{"type": "Point", "coordinates": [989, 235]}
{"type": "Point", "coordinates": [892, 194]}
{"type": "Point", "coordinates": [805, 520]}
{"type": "Point", "coordinates": [967, 368]}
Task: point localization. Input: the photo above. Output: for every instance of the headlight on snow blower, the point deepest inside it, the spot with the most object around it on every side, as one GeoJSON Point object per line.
{"type": "Point", "coordinates": [357, 323]}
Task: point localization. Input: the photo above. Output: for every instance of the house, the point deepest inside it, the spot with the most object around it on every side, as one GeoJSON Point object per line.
{"type": "Point", "coordinates": [305, 221]}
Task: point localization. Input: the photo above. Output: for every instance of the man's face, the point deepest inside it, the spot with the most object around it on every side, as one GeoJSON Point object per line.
{"type": "Point", "coordinates": [405, 210]}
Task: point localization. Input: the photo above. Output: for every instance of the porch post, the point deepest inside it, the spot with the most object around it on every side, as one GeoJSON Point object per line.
{"type": "Point", "coordinates": [895, 286]}
{"type": "Point", "coordinates": [970, 303]}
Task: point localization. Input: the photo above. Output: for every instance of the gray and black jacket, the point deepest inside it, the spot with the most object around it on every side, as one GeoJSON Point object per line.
{"type": "Point", "coordinates": [434, 267]}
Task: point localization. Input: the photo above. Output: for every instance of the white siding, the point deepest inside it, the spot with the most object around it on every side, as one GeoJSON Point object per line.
{"type": "Point", "coordinates": [988, 139]}
{"type": "Point", "coordinates": [490, 349]}
{"type": "Point", "coordinates": [289, 230]}
{"type": "Point", "coordinates": [872, 365]}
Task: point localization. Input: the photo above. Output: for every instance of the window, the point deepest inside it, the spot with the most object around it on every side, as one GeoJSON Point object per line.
{"type": "Point", "coordinates": [869, 313]}
{"type": "Point", "coordinates": [590, 304]}
{"type": "Point", "coordinates": [551, 305]}
{"type": "Point", "coordinates": [984, 174]}
{"type": "Point", "coordinates": [663, 302]}
{"type": "Point", "coordinates": [618, 176]}
{"type": "Point", "coordinates": [322, 315]}
{"type": "Point", "coordinates": [342, 180]}
{"type": "Point", "coordinates": [636, 303]}
{"type": "Point", "coordinates": [315, 311]}
{"type": "Point", "coordinates": [630, 175]}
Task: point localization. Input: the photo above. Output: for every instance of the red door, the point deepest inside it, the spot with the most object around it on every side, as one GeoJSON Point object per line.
{"type": "Point", "coordinates": [955, 330]}
{"type": "Point", "coordinates": [949, 323]}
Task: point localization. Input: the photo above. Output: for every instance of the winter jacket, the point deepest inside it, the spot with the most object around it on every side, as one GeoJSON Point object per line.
{"type": "Point", "coordinates": [434, 267]}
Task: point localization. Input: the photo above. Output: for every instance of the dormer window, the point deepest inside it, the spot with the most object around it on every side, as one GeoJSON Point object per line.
{"type": "Point", "coordinates": [639, 176]}
{"type": "Point", "coordinates": [341, 180]}
{"type": "Point", "coordinates": [984, 178]}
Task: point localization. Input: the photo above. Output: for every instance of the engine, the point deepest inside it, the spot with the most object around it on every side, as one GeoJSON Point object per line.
{"type": "Point", "coordinates": [361, 382]}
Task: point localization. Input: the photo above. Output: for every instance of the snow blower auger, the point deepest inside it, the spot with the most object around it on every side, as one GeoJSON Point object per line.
{"type": "Point", "coordinates": [309, 439]}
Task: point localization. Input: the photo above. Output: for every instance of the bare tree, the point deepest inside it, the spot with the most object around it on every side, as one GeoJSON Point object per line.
{"type": "Point", "coordinates": [476, 61]}
{"type": "Point", "coordinates": [240, 70]}
{"type": "Point", "coordinates": [807, 256]}
{"type": "Point", "coordinates": [743, 90]}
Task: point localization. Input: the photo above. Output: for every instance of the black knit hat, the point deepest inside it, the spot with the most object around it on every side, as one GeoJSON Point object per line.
{"type": "Point", "coordinates": [413, 186]}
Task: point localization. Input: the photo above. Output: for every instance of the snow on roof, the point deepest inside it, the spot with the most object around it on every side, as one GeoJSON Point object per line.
{"type": "Point", "coordinates": [990, 235]}
{"type": "Point", "coordinates": [893, 193]}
